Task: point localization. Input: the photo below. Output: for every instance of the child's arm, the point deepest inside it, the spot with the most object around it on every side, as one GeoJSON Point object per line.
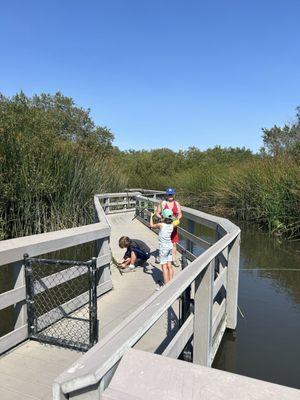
{"type": "Point", "coordinates": [158, 211]}
{"type": "Point", "coordinates": [152, 225]}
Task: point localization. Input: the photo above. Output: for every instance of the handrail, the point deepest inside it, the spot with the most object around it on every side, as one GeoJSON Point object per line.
{"type": "Point", "coordinates": [12, 252]}
{"type": "Point", "coordinates": [97, 366]}
{"type": "Point", "coordinates": [107, 352]}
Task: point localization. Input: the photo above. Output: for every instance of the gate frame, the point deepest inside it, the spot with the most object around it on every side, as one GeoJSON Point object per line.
{"type": "Point", "coordinates": [92, 272]}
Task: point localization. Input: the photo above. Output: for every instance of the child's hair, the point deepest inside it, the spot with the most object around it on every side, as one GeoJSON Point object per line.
{"type": "Point", "coordinates": [124, 241]}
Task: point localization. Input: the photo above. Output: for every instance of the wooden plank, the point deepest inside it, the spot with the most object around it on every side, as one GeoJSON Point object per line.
{"type": "Point", "coordinates": [189, 255]}
{"type": "Point", "coordinates": [121, 203]}
{"type": "Point", "coordinates": [233, 282]}
{"type": "Point", "coordinates": [20, 308]}
{"type": "Point", "coordinates": [121, 211]}
{"type": "Point", "coordinates": [14, 249]}
{"type": "Point", "coordinates": [193, 238]}
{"type": "Point", "coordinates": [115, 195]}
{"type": "Point", "coordinates": [220, 281]}
{"type": "Point", "coordinates": [178, 343]}
{"type": "Point", "coordinates": [67, 274]}
{"type": "Point", "coordinates": [203, 316]}
{"type": "Point", "coordinates": [13, 338]}
{"type": "Point", "coordinates": [103, 356]}
{"type": "Point", "coordinates": [218, 317]}
{"type": "Point", "coordinates": [12, 297]}
{"type": "Point", "coordinates": [217, 340]}
{"type": "Point", "coordinates": [185, 382]}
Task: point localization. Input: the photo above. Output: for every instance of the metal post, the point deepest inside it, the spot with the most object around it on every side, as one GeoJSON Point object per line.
{"type": "Point", "coordinates": [29, 295]}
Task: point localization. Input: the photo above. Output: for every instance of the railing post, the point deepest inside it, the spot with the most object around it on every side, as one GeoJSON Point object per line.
{"type": "Point", "coordinates": [106, 207]}
{"type": "Point", "coordinates": [29, 295]}
{"type": "Point", "coordinates": [20, 309]}
{"type": "Point", "coordinates": [233, 282]}
{"type": "Point", "coordinates": [186, 295]}
{"type": "Point", "coordinates": [93, 303]}
{"type": "Point", "coordinates": [203, 316]}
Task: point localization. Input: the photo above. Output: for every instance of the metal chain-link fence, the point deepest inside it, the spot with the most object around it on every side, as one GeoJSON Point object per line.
{"type": "Point", "coordinates": [62, 302]}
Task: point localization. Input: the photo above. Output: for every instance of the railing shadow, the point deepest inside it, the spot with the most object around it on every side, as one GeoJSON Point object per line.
{"type": "Point", "coordinates": [172, 329]}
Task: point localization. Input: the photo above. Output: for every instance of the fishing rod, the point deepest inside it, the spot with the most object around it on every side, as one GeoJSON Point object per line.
{"type": "Point", "coordinates": [138, 213]}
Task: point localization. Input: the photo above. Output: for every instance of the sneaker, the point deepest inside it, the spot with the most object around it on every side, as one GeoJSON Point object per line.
{"type": "Point", "coordinates": [159, 285]}
{"type": "Point", "coordinates": [176, 263]}
{"type": "Point", "coordinates": [131, 266]}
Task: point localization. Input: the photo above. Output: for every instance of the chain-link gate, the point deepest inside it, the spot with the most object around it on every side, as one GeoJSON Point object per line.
{"type": "Point", "coordinates": [62, 302]}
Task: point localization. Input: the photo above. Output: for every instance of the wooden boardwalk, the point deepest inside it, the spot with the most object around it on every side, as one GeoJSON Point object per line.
{"type": "Point", "coordinates": [28, 371]}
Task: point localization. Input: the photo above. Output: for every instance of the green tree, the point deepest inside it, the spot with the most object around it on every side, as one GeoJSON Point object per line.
{"type": "Point", "coordinates": [278, 140]}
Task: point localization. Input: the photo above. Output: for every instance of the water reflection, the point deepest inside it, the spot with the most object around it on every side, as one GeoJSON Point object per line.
{"type": "Point", "coordinates": [266, 342]}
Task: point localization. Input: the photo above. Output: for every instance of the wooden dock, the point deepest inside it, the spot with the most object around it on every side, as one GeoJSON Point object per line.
{"type": "Point", "coordinates": [135, 319]}
{"type": "Point", "coordinates": [28, 371]}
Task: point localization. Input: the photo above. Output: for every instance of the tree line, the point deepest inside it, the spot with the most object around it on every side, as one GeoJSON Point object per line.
{"type": "Point", "coordinates": [54, 158]}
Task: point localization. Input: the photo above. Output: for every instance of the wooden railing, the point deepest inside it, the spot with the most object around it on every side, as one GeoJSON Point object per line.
{"type": "Point", "coordinates": [12, 252]}
{"type": "Point", "coordinates": [217, 267]}
{"type": "Point", "coordinates": [113, 203]}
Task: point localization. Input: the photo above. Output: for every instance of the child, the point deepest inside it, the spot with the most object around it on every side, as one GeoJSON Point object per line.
{"type": "Point", "coordinates": [165, 243]}
{"type": "Point", "coordinates": [132, 254]}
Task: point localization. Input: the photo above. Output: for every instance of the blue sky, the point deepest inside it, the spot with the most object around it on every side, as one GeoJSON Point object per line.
{"type": "Point", "coordinates": [160, 73]}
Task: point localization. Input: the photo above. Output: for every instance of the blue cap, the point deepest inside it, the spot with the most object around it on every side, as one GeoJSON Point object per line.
{"type": "Point", "coordinates": [170, 191]}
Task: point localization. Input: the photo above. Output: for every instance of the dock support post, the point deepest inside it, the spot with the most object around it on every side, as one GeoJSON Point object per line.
{"type": "Point", "coordinates": [233, 282]}
{"type": "Point", "coordinates": [20, 309]}
{"type": "Point", "coordinates": [203, 316]}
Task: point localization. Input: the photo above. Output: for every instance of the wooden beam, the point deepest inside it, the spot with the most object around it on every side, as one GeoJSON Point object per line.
{"type": "Point", "coordinates": [217, 318]}
{"type": "Point", "coordinates": [14, 249]}
{"type": "Point", "coordinates": [193, 238]}
{"type": "Point", "coordinates": [12, 297]}
{"type": "Point", "coordinates": [13, 338]}
{"type": "Point", "coordinates": [203, 316]}
{"type": "Point", "coordinates": [220, 281]}
{"type": "Point", "coordinates": [233, 282]}
{"type": "Point", "coordinates": [178, 343]}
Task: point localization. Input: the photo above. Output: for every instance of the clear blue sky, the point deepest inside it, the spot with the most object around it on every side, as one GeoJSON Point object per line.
{"type": "Point", "coordinates": [160, 73]}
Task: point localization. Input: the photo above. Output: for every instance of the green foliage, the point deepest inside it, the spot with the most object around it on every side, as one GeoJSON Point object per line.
{"type": "Point", "coordinates": [53, 159]}
{"type": "Point", "coordinates": [281, 140]}
{"type": "Point", "coordinates": [232, 182]}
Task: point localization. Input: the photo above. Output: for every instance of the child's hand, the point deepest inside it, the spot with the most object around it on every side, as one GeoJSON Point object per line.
{"type": "Point", "coordinates": [176, 222]}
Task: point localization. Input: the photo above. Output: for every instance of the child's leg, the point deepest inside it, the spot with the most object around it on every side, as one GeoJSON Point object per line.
{"type": "Point", "coordinates": [132, 258]}
{"type": "Point", "coordinates": [170, 270]}
{"type": "Point", "coordinates": [174, 253]}
{"type": "Point", "coordinates": [165, 272]}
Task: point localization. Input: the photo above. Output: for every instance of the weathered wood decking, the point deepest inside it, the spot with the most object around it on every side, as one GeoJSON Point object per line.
{"type": "Point", "coordinates": [28, 371]}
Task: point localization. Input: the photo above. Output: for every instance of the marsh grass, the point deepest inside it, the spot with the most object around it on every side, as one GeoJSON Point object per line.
{"type": "Point", "coordinates": [49, 187]}
{"type": "Point", "coordinates": [266, 191]}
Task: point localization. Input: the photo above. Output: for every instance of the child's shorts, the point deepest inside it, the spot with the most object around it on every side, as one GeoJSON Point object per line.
{"type": "Point", "coordinates": [165, 254]}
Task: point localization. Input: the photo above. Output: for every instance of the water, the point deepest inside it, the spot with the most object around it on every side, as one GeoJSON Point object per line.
{"type": "Point", "coordinates": [265, 344]}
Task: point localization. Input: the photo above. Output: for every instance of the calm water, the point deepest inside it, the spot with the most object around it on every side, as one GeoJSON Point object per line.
{"type": "Point", "coordinates": [266, 342]}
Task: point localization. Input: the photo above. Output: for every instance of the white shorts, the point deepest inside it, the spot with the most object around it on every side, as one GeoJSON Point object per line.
{"type": "Point", "coordinates": [165, 254]}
